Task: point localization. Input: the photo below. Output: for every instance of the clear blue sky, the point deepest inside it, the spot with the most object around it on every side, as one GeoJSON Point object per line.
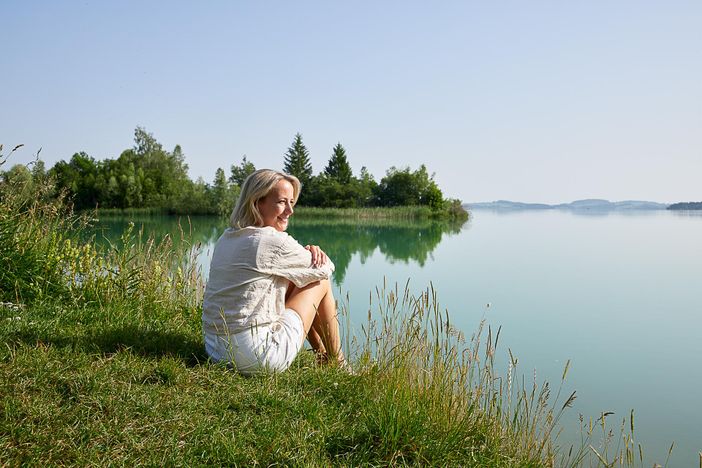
{"type": "Point", "coordinates": [531, 101]}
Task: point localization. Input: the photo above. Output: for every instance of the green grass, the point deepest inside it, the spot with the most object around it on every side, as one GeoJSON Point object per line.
{"type": "Point", "coordinates": [398, 212]}
{"type": "Point", "coordinates": [453, 211]}
{"type": "Point", "coordinates": [131, 212]}
{"type": "Point", "coordinates": [126, 384]}
{"type": "Point", "coordinates": [92, 385]}
{"type": "Point", "coordinates": [102, 362]}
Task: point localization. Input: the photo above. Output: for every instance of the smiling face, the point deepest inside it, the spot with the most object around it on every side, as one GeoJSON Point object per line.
{"type": "Point", "coordinates": [277, 206]}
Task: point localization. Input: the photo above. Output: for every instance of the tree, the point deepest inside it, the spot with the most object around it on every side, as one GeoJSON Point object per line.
{"type": "Point", "coordinates": [163, 174]}
{"type": "Point", "coordinates": [397, 188]}
{"type": "Point", "coordinates": [241, 172]}
{"type": "Point", "coordinates": [19, 177]}
{"type": "Point", "coordinates": [367, 186]}
{"type": "Point", "coordinates": [401, 187]}
{"type": "Point", "coordinates": [338, 167]}
{"type": "Point", "coordinates": [433, 197]}
{"type": "Point", "coordinates": [325, 192]}
{"type": "Point", "coordinates": [78, 178]}
{"type": "Point", "coordinates": [192, 198]}
{"type": "Point", "coordinates": [223, 195]}
{"type": "Point", "coordinates": [297, 161]}
{"type": "Point", "coordinates": [177, 160]}
{"type": "Point", "coordinates": [145, 143]}
{"type": "Point", "coordinates": [39, 171]}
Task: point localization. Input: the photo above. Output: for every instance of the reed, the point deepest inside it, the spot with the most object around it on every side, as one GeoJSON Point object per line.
{"type": "Point", "coordinates": [44, 257]}
{"type": "Point", "coordinates": [131, 212]}
{"type": "Point", "coordinates": [398, 213]}
{"type": "Point", "coordinates": [429, 375]}
{"type": "Point", "coordinates": [453, 211]}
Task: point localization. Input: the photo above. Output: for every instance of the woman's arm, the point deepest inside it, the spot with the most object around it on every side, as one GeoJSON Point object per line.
{"type": "Point", "coordinates": [301, 265]}
{"type": "Point", "coordinates": [319, 258]}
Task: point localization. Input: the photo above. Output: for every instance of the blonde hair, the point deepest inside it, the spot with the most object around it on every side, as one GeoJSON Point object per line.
{"type": "Point", "coordinates": [257, 186]}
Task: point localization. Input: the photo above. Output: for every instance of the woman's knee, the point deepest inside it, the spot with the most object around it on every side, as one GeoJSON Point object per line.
{"type": "Point", "coordinates": [322, 286]}
{"type": "Point", "coordinates": [326, 284]}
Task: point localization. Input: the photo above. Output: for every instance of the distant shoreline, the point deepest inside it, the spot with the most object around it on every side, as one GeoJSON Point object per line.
{"type": "Point", "coordinates": [686, 206]}
{"type": "Point", "coordinates": [588, 204]}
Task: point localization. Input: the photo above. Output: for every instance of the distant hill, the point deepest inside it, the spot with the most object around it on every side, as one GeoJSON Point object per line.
{"type": "Point", "coordinates": [509, 205]}
{"type": "Point", "coordinates": [686, 206]}
{"type": "Point", "coordinates": [639, 205]}
{"type": "Point", "coordinates": [589, 204]}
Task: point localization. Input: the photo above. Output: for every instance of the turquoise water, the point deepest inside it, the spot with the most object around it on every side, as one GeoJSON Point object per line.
{"type": "Point", "coordinates": [617, 294]}
{"type": "Point", "coordinates": [620, 295]}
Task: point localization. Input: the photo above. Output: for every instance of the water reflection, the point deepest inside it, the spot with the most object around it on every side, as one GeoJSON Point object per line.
{"type": "Point", "coordinates": [397, 240]}
{"type": "Point", "coordinates": [203, 230]}
{"type": "Point", "coordinates": [696, 214]}
{"type": "Point", "coordinates": [588, 212]}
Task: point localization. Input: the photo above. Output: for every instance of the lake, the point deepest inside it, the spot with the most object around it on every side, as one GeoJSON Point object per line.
{"type": "Point", "coordinates": [616, 293]}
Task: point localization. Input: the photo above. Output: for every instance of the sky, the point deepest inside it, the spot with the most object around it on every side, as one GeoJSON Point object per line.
{"type": "Point", "coordinates": [539, 101]}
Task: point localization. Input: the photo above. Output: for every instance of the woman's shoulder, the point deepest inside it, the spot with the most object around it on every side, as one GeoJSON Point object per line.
{"type": "Point", "coordinates": [250, 231]}
{"type": "Point", "coordinates": [243, 236]}
{"type": "Point", "coordinates": [267, 236]}
{"type": "Point", "coordinates": [272, 236]}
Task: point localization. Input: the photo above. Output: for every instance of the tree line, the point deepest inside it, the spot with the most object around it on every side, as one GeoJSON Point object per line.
{"type": "Point", "coordinates": [149, 176]}
{"type": "Point", "coordinates": [686, 206]}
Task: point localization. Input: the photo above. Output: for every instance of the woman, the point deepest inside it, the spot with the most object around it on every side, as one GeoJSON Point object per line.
{"type": "Point", "coordinates": [266, 292]}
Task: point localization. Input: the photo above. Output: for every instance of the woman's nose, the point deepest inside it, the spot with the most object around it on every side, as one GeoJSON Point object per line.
{"type": "Point", "coordinates": [289, 208]}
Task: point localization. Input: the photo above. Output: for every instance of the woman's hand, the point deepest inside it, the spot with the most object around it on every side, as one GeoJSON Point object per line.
{"type": "Point", "coordinates": [319, 258]}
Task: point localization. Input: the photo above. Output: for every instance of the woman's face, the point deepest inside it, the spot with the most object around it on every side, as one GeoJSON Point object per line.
{"type": "Point", "coordinates": [277, 206]}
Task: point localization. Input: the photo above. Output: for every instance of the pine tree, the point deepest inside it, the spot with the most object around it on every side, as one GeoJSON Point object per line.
{"type": "Point", "coordinates": [297, 161]}
{"type": "Point", "coordinates": [338, 167]}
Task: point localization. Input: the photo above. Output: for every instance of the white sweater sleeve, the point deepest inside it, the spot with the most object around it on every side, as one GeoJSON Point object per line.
{"type": "Point", "coordinates": [293, 262]}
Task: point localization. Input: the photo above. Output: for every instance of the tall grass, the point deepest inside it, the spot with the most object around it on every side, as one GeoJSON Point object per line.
{"type": "Point", "coordinates": [132, 212]}
{"type": "Point", "coordinates": [42, 256]}
{"type": "Point", "coordinates": [103, 361]}
{"type": "Point", "coordinates": [430, 376]}
{"type": "Point", "coordinates": [32, 236]}
{"type": "Point", "coordinates": [400, 212]}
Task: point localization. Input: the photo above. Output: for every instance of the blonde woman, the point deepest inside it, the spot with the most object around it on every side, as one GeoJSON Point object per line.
{"type": "Point", "coordinates": [266, 293]}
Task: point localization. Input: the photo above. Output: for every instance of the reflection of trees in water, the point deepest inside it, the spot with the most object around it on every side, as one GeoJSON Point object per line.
{"type": "Point", "coordinates": [397, 240]}
{"type": "Point", "coordinates": [193, 230]}
{"type": "Point", "coordinates": [340, 238]}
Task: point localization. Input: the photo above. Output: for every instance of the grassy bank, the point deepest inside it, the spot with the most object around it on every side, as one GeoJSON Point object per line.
{"type": "Point", "coordinates": [450, 212]}
{"type": "Point", "coordinates": [102, 361]}
{"type": "Point", "coordinates": [399, 213]}
{"type": "Point", "coordinates": [96, 385]}
{"type": "Point", "coordinates": [130, 212]}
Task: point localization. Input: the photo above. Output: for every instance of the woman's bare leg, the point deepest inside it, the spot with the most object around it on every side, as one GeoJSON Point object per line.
{"type": "Point", "coordinates": [317, 308]}
{"type": "Point", "coordinates": [316, 342]}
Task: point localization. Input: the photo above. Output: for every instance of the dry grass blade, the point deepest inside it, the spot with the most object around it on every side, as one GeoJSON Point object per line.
{"type": "Point", "coordinates": [565, 370]}
{"type": "Point", "coordinates": [600, 458]}
{"type": "Point", "coordinates": [670, 452]}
